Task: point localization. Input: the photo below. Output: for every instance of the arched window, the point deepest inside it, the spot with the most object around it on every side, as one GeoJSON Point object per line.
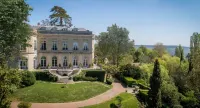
{"type": "Point", "coordinates": [75, 46]}
{"type": "Point", "coordinates": [43, 61]}
{"type": "Point", "coordinates": [75, 62]}
{"type": "Point", "coordinates": [43, 46]}
{"type": "Point", "coordinates": [65, 61]}
{"type": "Point", "coordinates": [85, 46]}
{"type": "Point", "coordinates": [85, 62]}
{"type": "Point", "coordinates": [23, 63]}
{"type": "Point", "coordinates": [54, 61]}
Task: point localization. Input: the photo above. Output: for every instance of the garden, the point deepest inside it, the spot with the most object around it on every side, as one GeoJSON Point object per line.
{"type": "Point", "coordinates": [41, 87]}
{"type": "Point", "coordinates": [123, 100]}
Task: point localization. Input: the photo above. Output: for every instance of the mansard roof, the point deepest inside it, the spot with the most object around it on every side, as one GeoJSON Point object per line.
{"type": "Point", "coordinates": [62, 30]}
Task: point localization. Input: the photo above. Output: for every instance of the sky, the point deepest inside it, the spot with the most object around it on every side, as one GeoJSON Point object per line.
{"type": "Point", "coordinates": [171, 22]}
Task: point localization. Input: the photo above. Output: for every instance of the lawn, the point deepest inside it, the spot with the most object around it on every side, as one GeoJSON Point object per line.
{"type": "Point", "coordinates": [46, 92]}
{"type": "Point", "coordinates": [128, 101]}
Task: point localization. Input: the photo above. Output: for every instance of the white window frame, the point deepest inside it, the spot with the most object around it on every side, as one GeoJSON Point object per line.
{"type": "Point", "coordinates": [54, 61]}
{"type": "Point", "coordinates": [54, 45]}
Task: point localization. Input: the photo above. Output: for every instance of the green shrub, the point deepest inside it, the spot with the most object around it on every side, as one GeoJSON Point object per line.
{"type": "Point", "coordinates": [99, 74]}
{"type": "Point", "coordinates": [131, 71]}
{"type": "Point", "coordinates": [82, 78]}
{"type": "Point", "coordinates": [45, 76]}
{"type": "Point", "coordinates": [109, 81]}
{"type": "Point", "coordinates": [24, 105]}
{"type": "Point", "coordinates": [28, 78]}
{"type": "Point", "coordinates": [189, 100]}
{"type": "Point", "coordinates": [143, 95]}
{"type": "Point", "coordinates": [129, 81]}
{"type": "Point", "coordinates": [143, 86]}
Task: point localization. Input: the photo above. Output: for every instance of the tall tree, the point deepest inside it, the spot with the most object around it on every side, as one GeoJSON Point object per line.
{"type": "Point", "coordinates": [60, 17]}
{"type": "Point", "coordinates": [160, 49]}
{"type": "Point", "coordinates": [155, 87]}
{"type": "Point", "coordinates": [14, 30]}
{"type": "Point", "coordinates": [179, 52]}
{"type": "Point", "coordinates": [115, 42]}
{"type": "Point", "coordinates": [194, 62]}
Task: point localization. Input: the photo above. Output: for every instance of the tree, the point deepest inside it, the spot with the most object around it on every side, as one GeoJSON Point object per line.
{"type": "Point", "coordinates": [114, 43]}
{"type": "Point", "coordinates": [60, 17]}
{"type": "Point", "coordinates": [10, 79]}
{"type": "Point", "coordinates": [14, 30]}
{"type": "Point", "coordinates": [160, 49]}
{"type": "Point", "coordinates": [45, 22]}
{"type": "Point", "coordinates": [179, 52]}
{"type": "Point", "coordinates": [155, 87]}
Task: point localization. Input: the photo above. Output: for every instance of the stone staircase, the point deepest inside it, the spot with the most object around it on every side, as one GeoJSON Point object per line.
{"type": "Point", "coordinates": [63, 79]}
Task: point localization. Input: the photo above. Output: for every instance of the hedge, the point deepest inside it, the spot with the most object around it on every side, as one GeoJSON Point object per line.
{"type": "Point", "coordinates": [24, 105]}
{"type": "Point", "coordinates": [129, 81]}
{"type": "Point", "coordinates": [143, 86]}
{"type": "Point", "coordinates": [99, 74]}
{"type": "Point", "coordinates": [83, 78]}
{"type": "Point", "coordinates": [143, 95]}
{"type": "Point", "coordinates": [28, 79]}
{"type": "Point", "coordinates": [45, 76]}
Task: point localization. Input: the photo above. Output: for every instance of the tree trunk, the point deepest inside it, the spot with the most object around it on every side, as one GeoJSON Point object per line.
{"type": "Point", "coordinates": [61, 21]}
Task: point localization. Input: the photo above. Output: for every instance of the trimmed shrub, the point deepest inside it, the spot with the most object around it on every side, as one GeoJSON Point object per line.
{"type": "Point", "coordinates": [143, 95]}
{"type": "Point", "coordinates": [129, 81]}
{"type": "Point", "coordinates": [143, 86]}
{"type": "Point", "coordinates": [24, 105]}
{"type": "Point", "coordinates": [28, 78]}
{"type": "Point", "coordinates": [45, 76]}
{"type": "Point", "coordinates": [131, 71]}
{"type": "Point", "coordinates": [99, 74]}
{"type": "Point", "coordinates": [80, 78]}
{"type": "Point", "coordinates": [109, 81]}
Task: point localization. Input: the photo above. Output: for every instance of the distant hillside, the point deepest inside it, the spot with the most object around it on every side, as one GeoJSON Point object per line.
{"type": "Point", "coordinates": [170, 48]}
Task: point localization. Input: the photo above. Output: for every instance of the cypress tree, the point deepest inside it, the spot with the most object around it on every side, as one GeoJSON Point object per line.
{"type": "Point", "coordinates": [155, 87]}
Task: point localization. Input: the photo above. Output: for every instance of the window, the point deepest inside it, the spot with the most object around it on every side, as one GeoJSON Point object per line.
{"type": "Point", "coordinates": [43, 61]}
{"type": "Point", "coordinates": [54, 61]}
{"type": "Point", "coordinates": [85, 46]}
{"type": "Point", "coordinates": [23, 63]}
{"type": "Point", "coordinates": [75, 46]}
{"type": "Point", "coordinates": [54, 47]}
{"type": "Point", "coordinates": [35, 45]}
{"type": "Point", "coordinates": [64, 61]}
{"type": "Point", "coordinates": [65, 45]}
{"type": "Point", "coordinates": [22, 48]}
{"type": "Point", "coordinates": [75, 63]}
{"type": "Point", "coordinates": [85, 62]}
{"type": "Point", "coordinates": [43, 46]}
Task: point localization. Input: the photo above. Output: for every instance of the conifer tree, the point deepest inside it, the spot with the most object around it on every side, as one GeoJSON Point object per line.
{"type": "Point", "coordinates": [155, 87]}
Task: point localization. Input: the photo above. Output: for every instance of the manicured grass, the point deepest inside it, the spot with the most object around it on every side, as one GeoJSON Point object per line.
{"type": "Point", "coordinates": [54, 93]}
{"type": "Point", "coordinates": [128, 101]}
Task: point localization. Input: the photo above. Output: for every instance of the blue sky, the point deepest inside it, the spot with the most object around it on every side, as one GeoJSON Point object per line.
{"type": "Point", "coordinates": [171, 22]}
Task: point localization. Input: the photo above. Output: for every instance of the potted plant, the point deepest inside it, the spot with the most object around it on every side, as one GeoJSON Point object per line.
{"type": "Point", "coordinates": [70, 65]}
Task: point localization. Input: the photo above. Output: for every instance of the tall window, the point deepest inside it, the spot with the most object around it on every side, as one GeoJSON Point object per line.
{"type": "Point", "coordinates": [35, 45]}
{"type": "Point", "coordinates": [54, 47]}
{"type": "Point", "coordinates": [54, 61]}
{"type": "Point", "coordinates": [23, 63]}
{"type": "Point", "coordinates": [43, 46]}
{"type": "Point", "coordinates": [75, 62]}
{"type": "Point", "coordinates": [85, 62]}
{"type": "Point", "coordinates": [65, 45]}
{"type": "Point", "coordinates": [75, 46]}
{"type": "Point", "coordinates": [85, 46]}
{"type": "Point", "coordinates": [43, 61]}
{"type": "Point", "coordinates": [64, 61]}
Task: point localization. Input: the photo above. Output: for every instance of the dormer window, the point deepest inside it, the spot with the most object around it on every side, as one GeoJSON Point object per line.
{"type": "Point", "coordinates": [54, 46]}
{"type": "Point", "coordinates": [75, 46]}
{"type": "Point", "coordinates": [43, 46]}
{"type": "Point", "coordinates": [65, 45]}
{"type": "Point", "coordinates": [85, 46]}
